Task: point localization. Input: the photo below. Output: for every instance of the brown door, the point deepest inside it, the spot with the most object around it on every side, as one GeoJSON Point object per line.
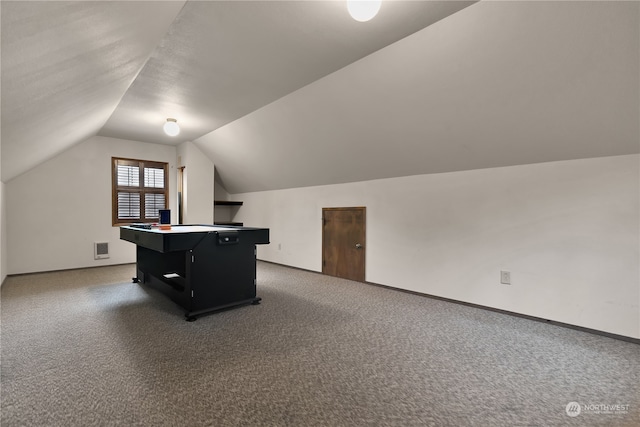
{"type": "Point", "coordinates": [343, 242]}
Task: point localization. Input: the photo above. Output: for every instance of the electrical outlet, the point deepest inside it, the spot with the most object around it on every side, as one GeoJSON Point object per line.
{"type": "Point", "coordinates": [505, 277]}
{"type": "Point", "coordinates": [279, 246]}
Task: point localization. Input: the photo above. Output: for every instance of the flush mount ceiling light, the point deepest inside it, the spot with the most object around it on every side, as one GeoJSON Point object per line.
{"type": "Point", "coordinates": [363, 10]}
{"type": "Point", "coordinates": [171, 128]}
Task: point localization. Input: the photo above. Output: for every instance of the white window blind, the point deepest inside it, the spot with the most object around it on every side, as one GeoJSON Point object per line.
{"type": "Point", "coordinates": [128, 176]}
{"type": "Point", "coordinates": [153, 178]}
{"type": "Point", "coordinates": [140, 190]}
{"type": "Point", "coordinates": [128, 206]}
{"type": "Point", "coordinates": [152, 203]}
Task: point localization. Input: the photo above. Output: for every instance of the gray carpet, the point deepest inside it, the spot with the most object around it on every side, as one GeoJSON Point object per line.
{"type": "Point", "coordinates": [90, 348]}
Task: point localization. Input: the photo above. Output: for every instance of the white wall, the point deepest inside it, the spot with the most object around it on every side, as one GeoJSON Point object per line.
{"type": "Point", "coordinates": [3, 234]}
{"type": "Point", "coordinates": [3, 230]}
{"type": "Point", "coordinates": [198, 186]}
{"type": "Point", "coordinates": [567, 231]}
{"type": "Point", "coordinates": [220, 192]}
{"type": "Point", "coordinates": [56, 211]}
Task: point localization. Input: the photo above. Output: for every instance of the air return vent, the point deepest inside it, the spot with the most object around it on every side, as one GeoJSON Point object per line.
{"type": "Point", "coordinates": [100, 250]}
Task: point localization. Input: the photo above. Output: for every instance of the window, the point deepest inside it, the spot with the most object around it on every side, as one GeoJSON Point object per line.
{"type": "Point", "coordinates": [140, 189]}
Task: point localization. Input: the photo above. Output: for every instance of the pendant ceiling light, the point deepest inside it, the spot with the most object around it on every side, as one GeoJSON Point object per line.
{"type": "Point", "coordinates": [363, 10]}
{"type": "Point", "coordinates": [171, 127]}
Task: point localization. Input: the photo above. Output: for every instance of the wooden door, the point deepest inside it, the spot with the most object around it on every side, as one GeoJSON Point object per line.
{"type": "Point", "coordinates": [343, 242]}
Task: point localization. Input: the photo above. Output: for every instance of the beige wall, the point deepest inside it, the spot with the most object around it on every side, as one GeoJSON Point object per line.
{"type": "Point", "coordinates": [3, 234]}
{"type": "Point", "coordinates": [57, 210]}
{"type": "Point", "coordinates": [198, 186]}
{"type": "Point", "coordinates": [567, 231]}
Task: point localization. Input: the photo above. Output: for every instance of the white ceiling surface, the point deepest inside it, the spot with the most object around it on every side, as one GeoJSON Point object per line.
{"type": "Point", "coordinates": [496, 84]}
{"type": "Point", "coordinates": [65, 67]}
{"type": "Point", "coordinates": [71, 70]}
{"type": "Point", "coordinates": [282, 94]}
{"type": "Point", "coordinates": [222, 60]}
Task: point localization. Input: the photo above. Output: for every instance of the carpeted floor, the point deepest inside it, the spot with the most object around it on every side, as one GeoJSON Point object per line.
{"type": "Point", "coordinates": [90, 348]}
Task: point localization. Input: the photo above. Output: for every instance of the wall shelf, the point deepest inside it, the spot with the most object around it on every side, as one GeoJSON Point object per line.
{"type": "Point", "coordinates": [226, 203]}
{"type": "Point", "coordinates": [226, 214]}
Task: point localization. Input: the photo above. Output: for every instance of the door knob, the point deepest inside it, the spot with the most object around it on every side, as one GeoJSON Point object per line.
{"type": "Point", "coordinates": [358, 246]}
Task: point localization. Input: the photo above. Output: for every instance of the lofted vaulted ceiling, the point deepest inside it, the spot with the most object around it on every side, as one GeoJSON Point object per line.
{"type": "Point", "coordinates": [499, 83]}
{"type": "Point", "coordinates": [294, 93]}
{"type": "Point", "coordinates": [72, 70]}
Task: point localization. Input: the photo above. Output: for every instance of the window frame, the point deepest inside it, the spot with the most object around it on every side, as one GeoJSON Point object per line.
{"type": "Point", "coordinates": [140, 189]}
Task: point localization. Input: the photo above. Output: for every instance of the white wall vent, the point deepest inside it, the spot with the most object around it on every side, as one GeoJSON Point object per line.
{"type": "Point", "coordinates": [100, 250]}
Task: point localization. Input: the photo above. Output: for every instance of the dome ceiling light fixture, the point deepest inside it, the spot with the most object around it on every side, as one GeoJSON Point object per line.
{"type": "Point", "coordinates": [363, 10]}
{"type": "Point", "coordinates": [171, 127]}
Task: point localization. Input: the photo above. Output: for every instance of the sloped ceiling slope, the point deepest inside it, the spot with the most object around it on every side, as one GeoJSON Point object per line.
{"type": "Point", "coordinates": [65, 67]}
{"type": "Point", "coordinates": [71, 70]}
{"type": "Point", "coordinates": [496, 84]}
{"type": "Point", "coordinates": [224, 59]}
